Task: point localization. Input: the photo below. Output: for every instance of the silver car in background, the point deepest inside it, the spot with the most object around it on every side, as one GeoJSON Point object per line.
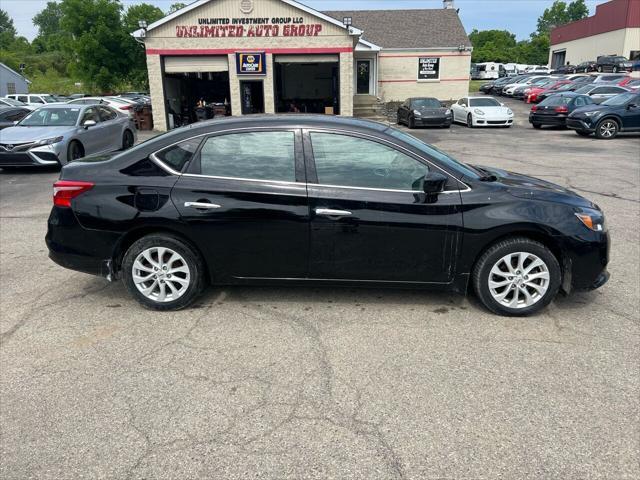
{"type": "Point", "coordinates": [58, 134]}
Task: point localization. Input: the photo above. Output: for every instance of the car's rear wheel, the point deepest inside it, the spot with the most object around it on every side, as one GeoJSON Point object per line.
{"type": "Point", "coordinates": [607, 129]}
{"type": "Point", "coordinates": [470, 121]}
{"type": "Point", "coordinates": [536, 125]}
{"type": "Point", "coordinates": [162, 272]}
{"type": "Point", "coordinates": [583, 133]}
{"type": "Point", "coordinates": [127, 140]}
{"type": "Point", "coordinates": [517, 277]}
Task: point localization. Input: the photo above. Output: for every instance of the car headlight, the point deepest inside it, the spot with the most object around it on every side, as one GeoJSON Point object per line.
{"type": "Point", "coordinates": [447, 112]}
{"type": "Point", "coordinates": [50, 141]}
{"type": "Point", "coordinates": [591, 114]}
{"type": "Point", "coordinates": [509, 112]}
{"type": "Point", "coordinates": [417, 113]}
{"type": "Point", "coordinates": [592, 219]}
{"type": "Point", "coordinates": [477, 111]}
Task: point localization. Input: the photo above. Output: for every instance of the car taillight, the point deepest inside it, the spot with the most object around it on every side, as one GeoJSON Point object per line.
{"type": "Point", "coordinates": [66, 190]}
{"type": "Point", "coordinates": [561, 109]}
{"type": "Point", "coordinates": [534, 108]}
{"type": "Point", "coordinates": [126, 107]}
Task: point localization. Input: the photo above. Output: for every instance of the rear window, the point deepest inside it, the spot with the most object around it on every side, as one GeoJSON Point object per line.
{"type": "Point", "coordinates": [178, 155]}
{"type": "Point", "coordinates": [555, 100]}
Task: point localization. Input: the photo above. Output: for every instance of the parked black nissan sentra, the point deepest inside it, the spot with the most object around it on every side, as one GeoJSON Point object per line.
{"type": "Point", "coordinates": [298, 199]}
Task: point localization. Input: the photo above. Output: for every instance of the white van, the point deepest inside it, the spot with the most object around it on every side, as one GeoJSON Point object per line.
{"type": "Point", "coordinates": [33, 99]}
{"type": "Point", "coordinates": [487, 70]}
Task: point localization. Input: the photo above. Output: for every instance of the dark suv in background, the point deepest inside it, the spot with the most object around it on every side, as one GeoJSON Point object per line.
{"type": "Point", "coordinates": [613, 63]}
{"type": "Point", "coordinates": [585, 67]}
{"type": "Point", "coordinates": [618, 114]}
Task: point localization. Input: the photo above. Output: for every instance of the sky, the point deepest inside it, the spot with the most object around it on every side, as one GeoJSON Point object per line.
{"type": "Point", "coordinates": [517, 16]}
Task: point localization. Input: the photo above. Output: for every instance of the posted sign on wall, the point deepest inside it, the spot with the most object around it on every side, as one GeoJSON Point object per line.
{"type": "Point", "coordinates": [253, 63]}
{"type": "Point", "coordinates": [428, 68]}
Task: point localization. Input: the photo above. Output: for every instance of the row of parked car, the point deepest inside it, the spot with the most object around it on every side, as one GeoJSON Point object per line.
{"type": "Point", "coordinates": [604, 63]}
{"type": "Point", "coordinates": [603, 105]}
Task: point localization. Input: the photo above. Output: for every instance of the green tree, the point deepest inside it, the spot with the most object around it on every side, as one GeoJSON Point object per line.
{"type": "Point", "coordinates": [176, 6]}
{"type": "Point", "coordinates": [7, 30]}
{"type": "Point", "coordinates": [50, 36]}
{"type": "Point", "coordinates": [560, 13]}
{"type": "Point", "coordinates": [492, 45]}
{"type": "Point", "coordinates": [143, 11]}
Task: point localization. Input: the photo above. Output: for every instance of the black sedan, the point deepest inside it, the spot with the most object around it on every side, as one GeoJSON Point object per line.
{"type": "Point", "coordinates": [555, 109]}
{"type": "Point", "coordinates": [424, 112]}
{"type": "Point", "coordinates": [317, 200]}
{"type": "Point", "coordinates": [10, 115]}
{"type": "Point", "coordinates": [618, 114]}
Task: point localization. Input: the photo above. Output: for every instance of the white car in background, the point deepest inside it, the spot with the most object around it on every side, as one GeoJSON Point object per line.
{"type": "Point", "coordinates": [482, 112]}
{"type": "Point", "coordinates": [510, 88]}
{"type": "Point", "coordinates": [123, 105]}
{"type": "Point", "coordinates": [10, 102]}
{"type": "Point", "coordinates": [34, 99]}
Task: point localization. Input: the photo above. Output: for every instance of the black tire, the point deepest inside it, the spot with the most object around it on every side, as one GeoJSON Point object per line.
{"type": "Point", "coordinates": [469, 121]}
{"type": "Point", "coordinates": [607, 129]}
{"type": "Point", "coordinates": [599, 69]}
{"type": "Point", "coordinates": [615, 69]}
{"type": "Point", "coordinates": [482, 271]}
{"type": "Point", "coordinates": [74, 151]}
{"type": "Point", "coordinates": [537, 126]}
{"type": "Point", "coordinates": [127, 140]}
{"type": "Point", "coordinates": [583, 133]}
{"type": "Point", "coordinates": [193, 261]}
{"type": "Point", "coordinates": [411, 124]}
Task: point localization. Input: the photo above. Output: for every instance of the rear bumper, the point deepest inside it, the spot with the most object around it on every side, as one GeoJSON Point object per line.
{"type": "Point", "coordinates": [76, 248]}
{"type": "Point", "coordinates": [560, 120]}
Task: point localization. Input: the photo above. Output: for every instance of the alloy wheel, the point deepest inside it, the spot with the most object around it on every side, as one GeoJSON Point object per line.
{"type": "Point", "coordinates": [608, 129]}
{"type": "Point", "coordinates": [519, 280]}
{"type": "Point", "coordinates": [161, 274]}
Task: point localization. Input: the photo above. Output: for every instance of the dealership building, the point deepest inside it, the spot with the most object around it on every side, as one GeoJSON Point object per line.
{"type": "Point", "coordinates": [613, 30]}
{"type": "Point", "coordinates": [275, 56]}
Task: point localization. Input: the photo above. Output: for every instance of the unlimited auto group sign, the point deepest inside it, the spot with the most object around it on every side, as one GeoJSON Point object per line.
{"type": "Point", "coordinates": [249, 27]}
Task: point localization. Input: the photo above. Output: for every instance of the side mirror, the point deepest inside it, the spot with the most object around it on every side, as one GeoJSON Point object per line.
{"type": "Point", "coordinates": [501, 104]}
{"type": "Point", "coordinates": [631, 105]}
{"type": "Point", "coordinates": [89, 123]}
{"type": "Point", "coordinates": [434, 182]}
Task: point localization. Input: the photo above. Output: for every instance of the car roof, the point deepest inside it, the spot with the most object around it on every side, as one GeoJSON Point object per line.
{"type": "Point", "coordinates": [64, 105]}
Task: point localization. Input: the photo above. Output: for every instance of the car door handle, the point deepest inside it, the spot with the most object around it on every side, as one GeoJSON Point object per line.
{"type": "Point", "coordinates": [328, 212]}
{"type": "Point", "coordinates": [202, 205]}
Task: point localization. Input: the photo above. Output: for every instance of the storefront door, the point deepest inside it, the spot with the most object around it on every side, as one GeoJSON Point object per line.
{"type": "Point", "coordinates": [252, 92]}
{"type": "Point", "coordinates": [363, 77]}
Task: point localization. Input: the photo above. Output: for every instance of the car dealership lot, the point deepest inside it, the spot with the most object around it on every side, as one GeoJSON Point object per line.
{"type": "Point", "coordinates": [326, 383]}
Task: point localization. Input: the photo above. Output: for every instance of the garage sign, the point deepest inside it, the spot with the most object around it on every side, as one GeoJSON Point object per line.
{"type": "Point", "coordinates": [251, 63]}
{"type": "Point", "coordinates": [428, 68]}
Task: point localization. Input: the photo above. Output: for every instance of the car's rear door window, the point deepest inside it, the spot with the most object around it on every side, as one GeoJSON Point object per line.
{"type": "Point", "coordinates": [344, 160]}
{"type": "Point", "coordinates": [107, 114]}
{"type": "Point", "coordinates": [176, 156]}
{"type": "Point", "coordinates": [250, 156]}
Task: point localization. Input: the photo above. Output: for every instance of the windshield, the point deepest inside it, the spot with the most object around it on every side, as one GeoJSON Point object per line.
{"type": "Point", "coordinates": [483, 102]}
{"type": "Point", "coordinates": [51, 117]}
{"type": "Point", "coordinates": [48, 98]}
{"type": "Point", "coordinates": [425, 103]}
{"type": "Point", "coordinates": [566, 86]}
{"type": "Point", "coordinates": [620, 99]}
{"type": "Point", "coordinates": [434, 153]}
{"type": "Point", "coordinates": [585, 89]}
{"type": "Point", "coordinates": [12, 102]}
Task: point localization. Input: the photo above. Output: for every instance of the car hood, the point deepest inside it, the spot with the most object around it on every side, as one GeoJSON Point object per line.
{"type": "Point", "coordinates": [588, 108]}
{"type": "Point", "coordinates": [32, 134]}
{"type": "Point", "coordinates": [493, 110]}
{"type": "Point", "coordinates": [523, 186]}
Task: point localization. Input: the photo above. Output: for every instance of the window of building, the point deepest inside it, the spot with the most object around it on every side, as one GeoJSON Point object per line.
{"type": "Point", "coordinates": [357, 162]}
{"type": "Point", "coordinates": [254, 156]}
{"type": "Point", "coordinates": [11, 87]}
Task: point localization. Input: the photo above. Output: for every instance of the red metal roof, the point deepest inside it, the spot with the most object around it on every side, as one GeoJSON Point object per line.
{"type": "Point", "coordinates": [610, 16]}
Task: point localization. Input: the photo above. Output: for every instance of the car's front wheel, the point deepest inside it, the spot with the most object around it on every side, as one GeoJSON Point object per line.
{"type": "Point", "coordinates": [607, 129]}
{"type": "Point", "coordinates": [412, 123]}
{"type": "Point", "coordinates": [74, 151]}
{"type": "Point", "coordinates": [470, 121]}
{"type": "Point", "coordinates": [162, 272]}
{"type": "Point", "coordinates": [536, 126]}
{"type": "Point", "coordinates": [517, 277]}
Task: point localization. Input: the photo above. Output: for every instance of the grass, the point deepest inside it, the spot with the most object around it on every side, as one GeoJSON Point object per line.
{"type": "Point", "coordinates": [474, 85]}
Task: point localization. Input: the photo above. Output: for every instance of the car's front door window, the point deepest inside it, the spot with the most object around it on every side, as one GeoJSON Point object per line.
{"type": "Point", "coordinates": [344, 160]}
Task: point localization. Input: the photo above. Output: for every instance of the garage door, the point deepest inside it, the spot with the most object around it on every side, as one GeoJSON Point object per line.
{"type": "Point", "coordinates": [306, 58]}
{"type": "Point", "coordinates": [196, 64]}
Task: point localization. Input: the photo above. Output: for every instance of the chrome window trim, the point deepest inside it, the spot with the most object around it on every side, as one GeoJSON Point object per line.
{"type": "Point", "coordinates": [170, 170]}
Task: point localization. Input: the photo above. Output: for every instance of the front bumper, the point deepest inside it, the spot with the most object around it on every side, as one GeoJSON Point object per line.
{"type": "Point", "coordinates": [586, 260]}
{"type": "Point", "coordinates": [492, 121]}
{"type": "Point", "coordinates": [584, 124]}
{"type": "Point", "coordinates": [433, 121]}
{"type": "Point", "coordinates": [29, 155]}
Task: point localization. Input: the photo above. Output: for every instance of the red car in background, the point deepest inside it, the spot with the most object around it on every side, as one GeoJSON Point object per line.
{"type": "Point", "coordinates": [532, 96]}
{"type": "Point", "coordinates": [629, 82]}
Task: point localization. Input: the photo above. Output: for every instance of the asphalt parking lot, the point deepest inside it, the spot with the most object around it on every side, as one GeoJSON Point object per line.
{"type": "Point", "coordinates": [327, 383]}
